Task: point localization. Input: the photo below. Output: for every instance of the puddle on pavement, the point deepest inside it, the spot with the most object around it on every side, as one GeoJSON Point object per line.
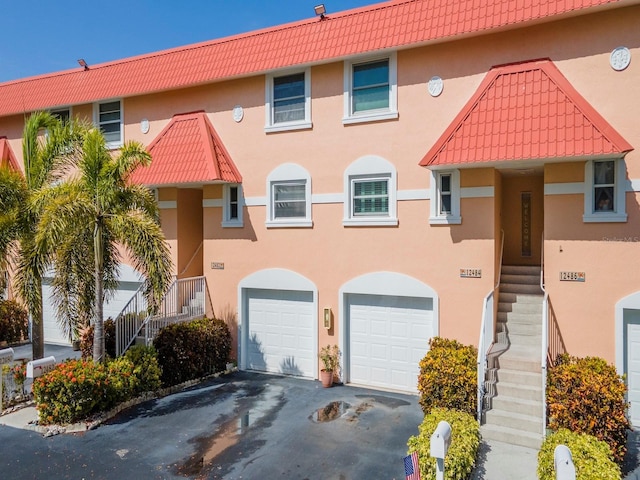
{"type": "Point", "coordinates": [265, 403]}
{"type": "Point", "coordinates": [330, 412]}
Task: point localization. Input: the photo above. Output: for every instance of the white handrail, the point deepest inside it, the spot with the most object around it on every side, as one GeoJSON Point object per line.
{"type": "Point", "coordinates": [487, 328]}
{"type": "Point", "coordinates": [545, 341]}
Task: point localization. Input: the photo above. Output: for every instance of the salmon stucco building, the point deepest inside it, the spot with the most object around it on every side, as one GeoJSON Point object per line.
{"type": "Point", "coordinates": [376, 177]}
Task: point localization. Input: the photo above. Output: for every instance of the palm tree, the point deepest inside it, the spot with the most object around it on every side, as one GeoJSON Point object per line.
{"type": "Point", "coordinates": [45, 157]}
{"type": "Point", "coordinates": [89, 217]}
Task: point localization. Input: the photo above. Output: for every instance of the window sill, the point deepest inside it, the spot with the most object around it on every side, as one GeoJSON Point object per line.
{"type": "Point", "coordinates": [284, 127]}
{"type": "Point", "coordinates": [370, 222]}
{"type": "Point", "coordinates": [114, 145]}
{"type": "Point", "coordinates": [289, 223]}
{"type": "Point", "coordinates": [232, 224]}
{"type": "Point", "coordinates": [370, 117]}
{"type": "Point", "coordinates": [451, 220]}
{"type": "Point", "coordinates": [604, 217]}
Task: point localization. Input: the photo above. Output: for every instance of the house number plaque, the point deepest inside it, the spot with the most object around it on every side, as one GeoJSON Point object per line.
{"type": "Point", "coordinates": [217, 265]}
{"type": "Point", "coordinates": [572, 276]}
{"type": "Point", "coordinates": [470, 273]}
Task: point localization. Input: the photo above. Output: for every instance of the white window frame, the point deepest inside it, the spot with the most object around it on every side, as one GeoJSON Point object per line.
{"type": "Point", "coordinates": [286, 174]}
{"type": "Point", "coordinates": [619, 213]}
{"type": "Point", "coordinates": [96, 121]}
{"type": "Point", "coordinates": [227, 221]}
{"type": "Point", "coordinates": [436, 216]}
{"type": "Point", "coordinates": [371, 115]}
{"type": "Point", "coordinates": [370, 168]}
{"type": "Point", "coordinates": [270, 124]}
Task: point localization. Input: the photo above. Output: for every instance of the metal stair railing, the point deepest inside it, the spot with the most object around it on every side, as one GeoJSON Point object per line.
{"type": "Point", "coordinates": [486, 341]}
{"type": "Point", "coordinates": [186, 299]}
{"type": "Point", "coordinates": [545, 340]}
{"type": "Point", "coordinates": [130, 320]}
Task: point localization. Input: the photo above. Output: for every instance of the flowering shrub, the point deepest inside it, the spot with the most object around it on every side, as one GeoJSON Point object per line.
{"type": "Point", "coordinates": [86, 340]}
{"type": "Point", "coordinates": [76, 389]}
{"type": "Point", "coordinates": [72, 391]}
{"type": "Point", "coordinates": [19, 373]}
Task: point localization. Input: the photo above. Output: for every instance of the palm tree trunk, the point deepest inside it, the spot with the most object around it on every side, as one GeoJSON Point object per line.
{"type": "Point", "coordinates": [98, 325]}
{"type": "Point", "coordinates": [37, 328]}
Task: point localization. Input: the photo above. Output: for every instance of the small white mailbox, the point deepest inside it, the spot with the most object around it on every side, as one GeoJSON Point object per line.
{"type": "Point", "coordinates": [6, 356]}
{"type": "Point", "coordinates": [563, 463]}
{"type": "Point", "coordinates": [36, 368]}
{"type": "Point", "coordinates": [440, 440]}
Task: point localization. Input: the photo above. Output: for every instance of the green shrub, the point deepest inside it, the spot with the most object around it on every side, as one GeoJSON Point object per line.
{"type": "Point", "coordinates": [586, 395]}
{"type": "Point", "coordinates": [14, 322]}
{"type": "Point", "coordinates": [86, 340]}
{"type": "Point", "coordinates": [592, 458]}
{"type": "Point", "coordinates": [146, 368]}
{"type": "Point", "coordinates": [448, 376]}
{"type": "Point", "coordinates": [465, 440]}
{"type": "Point", "coordinates": [192, 350]}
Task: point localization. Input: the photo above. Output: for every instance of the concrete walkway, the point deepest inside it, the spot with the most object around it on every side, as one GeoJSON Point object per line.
{"type": "Point", "coordinates": [502, 461]}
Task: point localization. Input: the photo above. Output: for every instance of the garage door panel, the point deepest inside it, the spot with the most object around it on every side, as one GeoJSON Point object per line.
{"type": "Point", "coordinates": [396, 330]}
{"type": "Point", "coordinates": [632, 319]}
{"type": "Point", "coordinates": [282, 323]}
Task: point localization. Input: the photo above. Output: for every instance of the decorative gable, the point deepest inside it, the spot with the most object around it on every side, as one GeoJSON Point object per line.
{"type": "Point", "coordinates": [188, 150]}
{"type": "Point", "coordinates": [525, 111]}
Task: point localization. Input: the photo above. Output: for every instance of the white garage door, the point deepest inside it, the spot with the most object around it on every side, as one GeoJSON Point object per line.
{"type": "Point", "coordinates": [632, 319]}
{"type": "Point", "coordinates": [387, 338]}
{"type": "Point", "coordinates": [280, 332]}
{"type": "Point", "coordinates": [52, 332]}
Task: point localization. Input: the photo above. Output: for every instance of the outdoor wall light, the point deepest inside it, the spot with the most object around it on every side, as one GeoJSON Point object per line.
{"type": "Point", "coordinates": [320, 10]}
{"type": "Point", "coordinates": [328, 317]}
{"type": "Point", "coordinates": [83, 64]}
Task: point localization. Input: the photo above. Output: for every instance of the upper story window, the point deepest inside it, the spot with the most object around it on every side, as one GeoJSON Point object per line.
{"type": "Point", "coordinates": [445, 198]}
{"type": "Point", "coordinates": [370, 90]}
{"type": "Point", "coordinates": [289, 197]}
{"type": "Point", "coordinates": [108, 116]}
{"type": "Point", "coordinates": [232, 206]}
{"type": "Point", "coordinates": [370, 196]}
{"type": "Point", "coordinates": [370, 193]}
{"type": "Point", "coordinates": [288, 101]}
{"type": "Point", "coordinates": [62, 114]}
{"type": "Point", "coordinates": [604, 199]}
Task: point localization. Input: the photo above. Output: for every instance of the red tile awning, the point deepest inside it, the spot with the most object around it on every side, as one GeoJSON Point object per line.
{"type": "Point", "coordinates": [188, 150]}
{"type": "Point", "coordinates": [525, 111]}
{"type": "Point", "coordinates": [6, 155]}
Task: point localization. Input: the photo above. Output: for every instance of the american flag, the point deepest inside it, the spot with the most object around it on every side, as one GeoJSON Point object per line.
{"type": "Point", "coordinates": [411, 468]}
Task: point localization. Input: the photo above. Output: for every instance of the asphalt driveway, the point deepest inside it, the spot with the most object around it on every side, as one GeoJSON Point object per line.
{"type": "Point", "coordinates": [241, 426]}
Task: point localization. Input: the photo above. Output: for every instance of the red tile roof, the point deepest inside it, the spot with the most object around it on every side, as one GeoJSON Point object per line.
{"type": "Point", "coordinates": [521, 112]}
{"type": "Point", "coordinates": [6, 155]}
{"type": "Point", "coordinates": [188, 150]}
{"type": "Point", "coordinates": [393, 24]}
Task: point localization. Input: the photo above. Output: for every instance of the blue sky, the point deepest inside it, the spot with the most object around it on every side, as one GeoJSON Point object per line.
{"type": "Point", "coordinates": [43, 36]}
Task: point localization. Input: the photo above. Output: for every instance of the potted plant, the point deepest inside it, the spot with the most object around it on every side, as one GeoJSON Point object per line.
{"type": "Point", "coordinates": [330, 357]}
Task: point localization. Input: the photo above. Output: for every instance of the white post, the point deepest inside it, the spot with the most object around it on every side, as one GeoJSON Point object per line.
{"type": "Point", "coordinates": [438, 446]}
{"type": "Point", "coordinates": [6, 356]}
{"type": "Point", "coordinates": [563, 463]}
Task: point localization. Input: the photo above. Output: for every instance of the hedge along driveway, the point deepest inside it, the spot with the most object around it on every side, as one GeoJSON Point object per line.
{"type": "Point", "coordinates": [239, 426]}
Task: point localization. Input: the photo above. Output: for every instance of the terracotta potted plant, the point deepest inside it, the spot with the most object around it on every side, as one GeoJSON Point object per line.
{"type": "Point", "coordinates": [330, 357]}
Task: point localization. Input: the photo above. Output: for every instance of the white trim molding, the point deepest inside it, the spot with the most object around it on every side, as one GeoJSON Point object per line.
{"type": "Point", "coordinates": [568, 188]}
{"type": "Point", "coordinates": [167, 204]}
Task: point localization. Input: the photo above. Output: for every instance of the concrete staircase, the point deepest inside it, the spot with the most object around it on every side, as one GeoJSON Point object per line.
{"type": "Point", "coordinates": [515, 414]}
